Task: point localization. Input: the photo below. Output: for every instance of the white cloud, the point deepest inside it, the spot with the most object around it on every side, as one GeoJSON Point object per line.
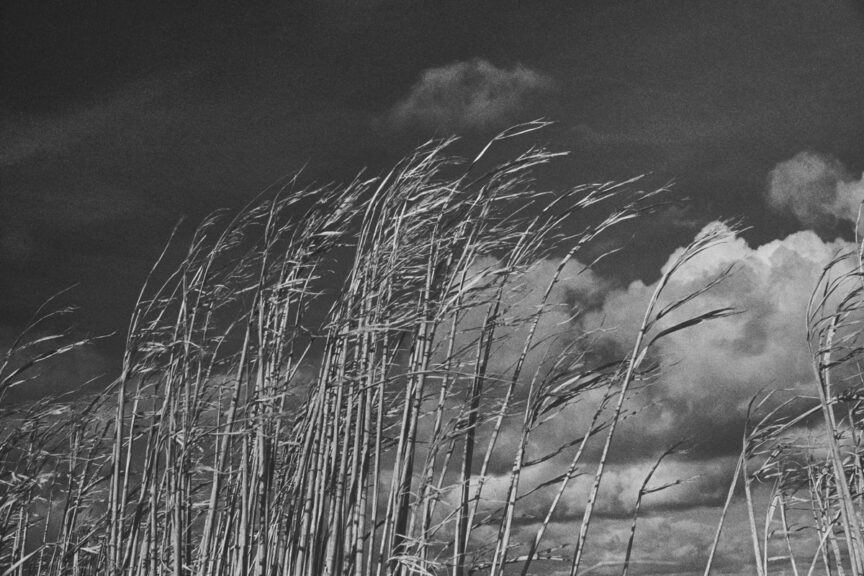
{"type": "Point", "coordinates": [816, 188]}
{"type": "Point", "coordinates": [712, 371]}
{"type": "Point", "coordinates": [577, 285]}
{"type": "Point", "coordinates": [709, 374]}
{"type": "Point", "coordinates": [469, 94]}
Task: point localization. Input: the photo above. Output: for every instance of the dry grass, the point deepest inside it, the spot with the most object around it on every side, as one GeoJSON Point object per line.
{"type": "Point", "coordinates": [245, 436]}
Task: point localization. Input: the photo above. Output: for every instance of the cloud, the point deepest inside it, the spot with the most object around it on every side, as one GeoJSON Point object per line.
{"type": "Point", "coordinates": [701, 483]}
{"type": "Point", "coordinates": [672, 542]}
{"type": "Point", "coordinates": [578, 287]}
{"type": "Point", "coordinates": [469, 94]}
{"type": "Point", "coordinates": [710, 372]}
{"type": "Point", "coordinates": [815, 188]}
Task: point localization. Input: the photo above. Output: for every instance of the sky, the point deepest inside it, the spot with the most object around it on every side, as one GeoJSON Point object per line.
{"type": "Point", "coordinates": [119, 118]}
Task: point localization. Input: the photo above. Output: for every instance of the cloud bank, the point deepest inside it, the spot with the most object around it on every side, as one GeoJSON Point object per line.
{"type": "Point", "coordinates": [712, 371]}
{"type": "Point", "coordinates": [469, 94]}
{"type": "Point", "coordinates": [709, 374]}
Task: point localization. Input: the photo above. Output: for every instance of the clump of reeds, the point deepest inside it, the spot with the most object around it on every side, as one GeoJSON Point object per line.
{"type": "Point", "coordinates": [247, 436]}
{"type": "Point", "coordinates": [807, 449]}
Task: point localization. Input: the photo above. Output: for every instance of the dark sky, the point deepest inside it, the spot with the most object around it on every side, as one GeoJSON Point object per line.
{"type": "Point", "coordinates": [118, 118]}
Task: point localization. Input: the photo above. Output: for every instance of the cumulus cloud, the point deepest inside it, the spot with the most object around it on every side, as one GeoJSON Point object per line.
{"type": "Point", "coordinates": [712, 371]}
{"type": "Point", "coordinates": [815, 188]}
{"type": "Point", "coordinates": [709, 372]}
{"type": "Point", "coordinates": [469, 94]}
{"type": "Point", "coordinates": [579, 287]}
{"type": "Point", "coordinates": [690, 485]}
{"type": "Point", "coordinates": [669, 539]}
{"type": "Point", "coordinates": [664, 544]}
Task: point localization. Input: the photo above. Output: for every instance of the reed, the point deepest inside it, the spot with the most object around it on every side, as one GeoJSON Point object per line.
{"type": "Point", "coordinates": [246, 435]}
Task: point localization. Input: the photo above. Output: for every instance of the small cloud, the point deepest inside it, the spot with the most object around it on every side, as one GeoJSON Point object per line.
{"type": "Point", "coordinates": [815, 188]}
{"type": "Point", "coordinates": [470, 94]}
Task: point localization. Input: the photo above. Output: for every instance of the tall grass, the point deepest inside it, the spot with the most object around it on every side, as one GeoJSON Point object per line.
{"type": "Point", "coordinates": [806, 451]}
{"type": "Point", "coordinates": [251, 433]}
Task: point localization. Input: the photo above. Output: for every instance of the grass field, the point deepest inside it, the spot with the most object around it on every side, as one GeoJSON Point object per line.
{"type": "Point", "coordinates": [329, 380]}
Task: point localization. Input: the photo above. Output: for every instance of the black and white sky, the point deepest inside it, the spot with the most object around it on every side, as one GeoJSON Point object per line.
{"type": "Point", "coordinates": [118, 118]}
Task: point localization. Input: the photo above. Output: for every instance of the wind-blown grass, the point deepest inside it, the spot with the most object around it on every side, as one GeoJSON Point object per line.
{"type": "Point", "coordinates": [246, 436]}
